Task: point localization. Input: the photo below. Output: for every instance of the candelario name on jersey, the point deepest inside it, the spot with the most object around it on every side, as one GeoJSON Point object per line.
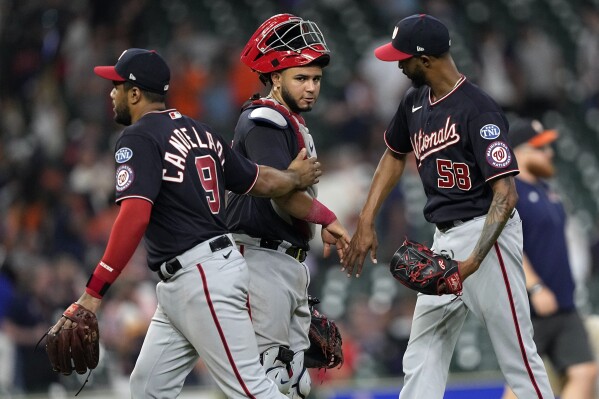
{"type": "Point", "coordinates": [182, 143]}
{"type": "Point", "coordinates": [425, 144]}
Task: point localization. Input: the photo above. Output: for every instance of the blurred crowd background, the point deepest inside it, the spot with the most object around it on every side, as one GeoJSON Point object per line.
{"type": "Point", "coordinates": [537, 58]}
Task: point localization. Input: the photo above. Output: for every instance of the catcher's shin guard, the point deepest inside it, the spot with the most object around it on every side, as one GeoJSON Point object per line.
{"type": "Point", "coordinates": [301, 381]}
{"type": "Point", "coordinates": [277, 363]}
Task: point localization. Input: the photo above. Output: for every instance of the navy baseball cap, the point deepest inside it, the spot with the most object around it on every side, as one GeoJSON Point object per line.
{"type": "Point", "coordinates": [418, 34]}
{"type": "Point", "coordinates": [143, 68]}
{"type": "Point", "coordinates": [531, 132]}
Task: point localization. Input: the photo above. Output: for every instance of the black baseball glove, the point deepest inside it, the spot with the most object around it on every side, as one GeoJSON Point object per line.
{"type": "Point", "coordinates": [418, 268]}
{"type": "Point", "coordinates": [76, 347]}
{"type": "Point", "coordinates": [325, 341]}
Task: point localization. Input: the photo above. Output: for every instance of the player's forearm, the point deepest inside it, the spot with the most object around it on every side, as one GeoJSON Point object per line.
{"type": "Point", "coordinates": [505, 198]}
{"type": "Point", "coordinates": [386, 176]}
{"type": "Point", "coordinates": [296, 203]}
{"type": "Point", "coordinates": [275, 183]}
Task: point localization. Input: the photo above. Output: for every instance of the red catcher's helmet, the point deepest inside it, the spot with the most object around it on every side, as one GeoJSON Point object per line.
{"type": "Point", "coordinates": [285, 41]}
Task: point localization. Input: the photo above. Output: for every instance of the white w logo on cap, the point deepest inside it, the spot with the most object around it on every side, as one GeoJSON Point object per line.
{"type": "Point", "coordinates": [132, 77]}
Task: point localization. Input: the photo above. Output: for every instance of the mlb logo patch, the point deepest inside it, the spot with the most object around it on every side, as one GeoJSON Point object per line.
{"type": "Point", "coordinates": [174, 114]}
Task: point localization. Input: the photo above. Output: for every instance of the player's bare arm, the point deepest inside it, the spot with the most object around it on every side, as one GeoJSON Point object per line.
{"type": "Point", "coordinates": [302, 172]}
{"type": "Point", "coordinates": [386, 176]}
{"type": "Point", "coordinates": [300, 205]}
{"type": "Point", "coordinates": [505, 198]}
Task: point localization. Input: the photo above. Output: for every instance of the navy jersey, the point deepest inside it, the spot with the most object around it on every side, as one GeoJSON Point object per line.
{"type": "Point", "coordinates": [543, 228]}
{"type": "Point", "coordinates": [460, 143]}
{"type": "Point", "coordinates": [267, 143]}
{"type": "Point", "coordinates": [183, 169]}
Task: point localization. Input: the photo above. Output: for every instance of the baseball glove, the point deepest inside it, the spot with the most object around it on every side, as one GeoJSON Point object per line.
{"type": "Point", "coordinates": [76, 346]}
{"type": "Point", "coordinates": [325, 341]}
{"type": "Point", "coordinates": [418, 268]}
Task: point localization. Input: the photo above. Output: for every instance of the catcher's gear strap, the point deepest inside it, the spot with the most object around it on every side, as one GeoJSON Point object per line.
{"type": "Point", "coordinates": [277, 363]}
{"type": "Point", "coordinates": [301, 383]}
{"type": "Point", "coordinates": [293, 118]}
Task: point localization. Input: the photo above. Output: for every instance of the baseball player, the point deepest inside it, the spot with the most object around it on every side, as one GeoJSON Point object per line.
{"type": "Point", "coordinates": [559, 331]}
{"type": "Point", "coordinates": [459, 138]}
{"type": "Point", "coordinates": [289, 54]}
{"type": "Point", "coordinates": [171, 177]}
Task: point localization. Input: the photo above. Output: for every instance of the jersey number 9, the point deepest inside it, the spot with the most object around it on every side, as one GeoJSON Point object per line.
{"type": "Point", "coordinates": [207, 172]}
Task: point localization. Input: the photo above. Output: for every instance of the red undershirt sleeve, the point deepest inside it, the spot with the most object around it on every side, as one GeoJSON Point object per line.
{"type": "Point", "coordinates": [127, 231]}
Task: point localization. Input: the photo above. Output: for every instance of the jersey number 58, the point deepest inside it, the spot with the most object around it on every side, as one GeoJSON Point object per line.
{"type": "Point", "coordinates": [453, 174]}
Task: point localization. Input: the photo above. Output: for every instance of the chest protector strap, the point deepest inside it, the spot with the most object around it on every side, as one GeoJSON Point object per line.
{"type": "Point", "coordinates": [295, 119]}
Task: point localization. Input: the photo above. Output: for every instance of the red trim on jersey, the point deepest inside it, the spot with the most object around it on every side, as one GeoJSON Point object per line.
{"type": "Point", "coordinates": [389, 147]}
{"type": "Point", "coordinates": [461, 80]}
{"type": "Point", "coordinates": [507, 172]}
{"type": "Point", "coordinates": [127, 231]}
{"type": "Point", "coordinates": [255, 180]}
{"type": "Point", "coordinates": [221, 333]}
{"type": "Point", "coordinates": [133, 196]}
{"type": "Point", "coordinates": [516, 324]}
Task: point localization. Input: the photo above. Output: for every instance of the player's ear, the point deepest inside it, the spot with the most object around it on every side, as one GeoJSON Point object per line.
{"type": "Point", "coordinates": [425, 60]}
{"type": "Point", "coordinates": [134, 95]}
{"type": "Point", "coordinates": [275, 77]}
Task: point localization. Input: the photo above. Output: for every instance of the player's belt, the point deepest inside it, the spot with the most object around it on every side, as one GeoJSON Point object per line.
{"type": "Point", "coordinates": [295, 252]}
{"type": "Point", "coordinates": [445, 226]}
{"type": "Point", "coordinates": [169, 268]}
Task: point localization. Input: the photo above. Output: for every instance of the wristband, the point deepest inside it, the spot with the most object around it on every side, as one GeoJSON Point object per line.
{"type": "Point", "coordinates": [535, 288]}
{"type": "Point", "coordinates": [101, 279]}
{"type": "Point", "coordinates": [320, 214]}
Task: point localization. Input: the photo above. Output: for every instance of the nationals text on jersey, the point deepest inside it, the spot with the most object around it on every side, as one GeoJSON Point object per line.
{"type": "Point", "coordinates": [425, 144]}
{"type": "Point", "coordinates": [182, 143]}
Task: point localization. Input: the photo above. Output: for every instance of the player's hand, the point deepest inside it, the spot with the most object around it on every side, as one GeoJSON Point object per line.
{"type": "Point", "coordinates": [307, 169]}
{"type": "Point", "coordinates": [335, 234]}
{"type": "Point", "coordinates": [544, 302]}
{"type": "Point", "coordinates": [364, 240]}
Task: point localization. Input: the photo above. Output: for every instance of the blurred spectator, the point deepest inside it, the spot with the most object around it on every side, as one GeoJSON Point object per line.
{"type": "Point", "coordinates": [559, 330]}
{"type": "Point", "coordinates": [187, 86]}
{"type": "Point", "coordinates": [587, 56]}
{"type": "Point", "coordinates": [496, 67]}
{"type": "Point", "coordinates": [28, 316]}
{"type": "Point", "coordinates": [539, 61]}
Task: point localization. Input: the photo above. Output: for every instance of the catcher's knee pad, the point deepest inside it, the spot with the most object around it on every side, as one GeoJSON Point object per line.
{"type": "Point", "coordinates": [301, 382]}
{"type": "Point", "coordinates": [276, 361]}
